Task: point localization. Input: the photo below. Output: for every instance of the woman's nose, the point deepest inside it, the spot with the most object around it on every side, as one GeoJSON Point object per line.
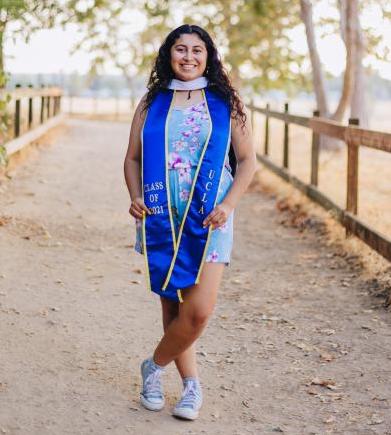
{"type": "Point", "coordinates": [188, 55]}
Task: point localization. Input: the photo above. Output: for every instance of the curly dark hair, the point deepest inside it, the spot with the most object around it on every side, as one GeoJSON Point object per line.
{"type": "Point", "coordinates": [219, 82]}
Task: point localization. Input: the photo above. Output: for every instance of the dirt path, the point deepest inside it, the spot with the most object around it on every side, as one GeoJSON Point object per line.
{"type": "Point", "coordinates": [76, 319]}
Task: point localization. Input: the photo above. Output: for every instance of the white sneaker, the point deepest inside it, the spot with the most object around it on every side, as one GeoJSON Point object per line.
{"type": "Point", "coordinates": [151, 396]}
{"type": "Point", "coordinates": [191, 400]}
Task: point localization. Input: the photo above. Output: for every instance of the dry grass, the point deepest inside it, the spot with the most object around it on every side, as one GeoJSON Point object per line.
{"type": "Point", "coordinates": [31, 151]}
{"type": "Point", "coordinates": [303, 213]}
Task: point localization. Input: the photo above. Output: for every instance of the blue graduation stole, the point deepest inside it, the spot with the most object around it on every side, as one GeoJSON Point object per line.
{"type": "Point", "coordinates": [172, 263]}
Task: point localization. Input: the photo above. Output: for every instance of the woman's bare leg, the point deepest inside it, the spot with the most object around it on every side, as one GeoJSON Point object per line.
{"type": "Point", "coordinates": [198, 304]}
{"type": "Point", "coordinates": [186, 362]}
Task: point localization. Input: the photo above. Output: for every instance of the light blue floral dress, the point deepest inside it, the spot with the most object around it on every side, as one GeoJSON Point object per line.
{"type": "Point", "coordinates": [187, 132]}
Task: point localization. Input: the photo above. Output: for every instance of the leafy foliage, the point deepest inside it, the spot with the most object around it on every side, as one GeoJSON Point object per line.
{"type": "Point", "coordinates": [246, 32]}
{"type": "Point", "coordinates": [21, 18]}
{"type": "Point", "coordinates": [4, 119]}
{"type": "Point", "coordinates": [255, 37]}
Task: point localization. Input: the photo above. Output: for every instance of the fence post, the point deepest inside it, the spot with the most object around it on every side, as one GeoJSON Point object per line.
{"type": "Point", "coordinates": [17, 115]}
{"type": "Point", "coordinates": [315, 154]}
{"type": "Point", "coordinates": [286, 138]}
{"type": "Point", "coordinates": [30, 115]}
{"type": "Point", "coordinates": [42, 115]}
{"type": "Point", "coordinates": [48, 107]}
{"type": "Point", "coordinates": [55, 104]}
{"type": "Point", "coordinates": [352, 175]}
{"type": "Point", "coordinates": [267, 130]}
{"type": "Point", "coordinates": [252, 117]}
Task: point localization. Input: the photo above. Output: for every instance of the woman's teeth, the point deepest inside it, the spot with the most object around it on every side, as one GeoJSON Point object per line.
{"type": "Point", "coordinates": [188, 67]}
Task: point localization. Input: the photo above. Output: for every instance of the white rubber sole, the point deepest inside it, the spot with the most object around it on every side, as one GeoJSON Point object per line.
{"type": "Point", "coordinates": [185, 414]}
{"type": "Point", "coordinates": [151, 406]}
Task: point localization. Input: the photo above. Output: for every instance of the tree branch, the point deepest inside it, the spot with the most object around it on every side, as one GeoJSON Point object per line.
{"type": "Point", "coordinates": [347, 10]}
{"type": "Point", "coordinates": [317, 73]}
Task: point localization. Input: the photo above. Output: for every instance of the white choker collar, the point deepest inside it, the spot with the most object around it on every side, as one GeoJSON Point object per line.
{"type": "Point", "coordinates": [190, 85]}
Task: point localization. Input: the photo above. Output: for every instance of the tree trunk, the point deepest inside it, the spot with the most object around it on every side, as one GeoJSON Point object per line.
{"type": "Point", "coordinates": [348, 8]}
{"type": "Point", "coordinates": [359, 106]}
{"type": "Point", "coordinates": [353, 89]}
{"type": "Point", "coordinates": [317, 73]}
{"type": "Point", "coordinates": [2, 29]}
{"type": "Point", "coordinates": [3, 24]}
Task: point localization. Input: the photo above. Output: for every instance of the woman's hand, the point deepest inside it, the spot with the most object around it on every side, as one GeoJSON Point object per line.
{"type": "Point", "coordinates": [138, 208]}
{"type": "Point", "coordinates": [218, 216]}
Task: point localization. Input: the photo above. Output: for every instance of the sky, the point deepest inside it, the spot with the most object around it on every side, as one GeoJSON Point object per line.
{"type": "Point", "coordinates": [49, 51]}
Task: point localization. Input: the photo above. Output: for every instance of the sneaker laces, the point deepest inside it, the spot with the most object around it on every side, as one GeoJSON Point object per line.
{"type": "Point", "coordinates": [191, 396]}
{"type": "Point", "coordinates": [152, 385]}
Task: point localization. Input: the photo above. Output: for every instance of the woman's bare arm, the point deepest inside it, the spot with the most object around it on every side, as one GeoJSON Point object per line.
{"type": "Point", "coordinates": [132, 163]}
{"type": "Point", "coordinates": [242, 143]}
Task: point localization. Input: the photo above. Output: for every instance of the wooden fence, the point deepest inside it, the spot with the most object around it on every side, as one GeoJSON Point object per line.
{"type": "Point", "coordinates": [33, 112]}
{"type": "Point", "coordinates": [354, 137]}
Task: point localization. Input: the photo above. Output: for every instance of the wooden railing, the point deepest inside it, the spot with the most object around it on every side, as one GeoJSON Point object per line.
{"type": "Point", "coordinates": [50, 104]}
{"type": "Point", "coordinates": [32, 111]}
{"type": "Point", "coordinates": [354, 137]}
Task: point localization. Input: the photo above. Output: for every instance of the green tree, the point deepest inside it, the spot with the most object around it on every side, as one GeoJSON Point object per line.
{"type": "Point", "coordinates": [361, 41]}
{"type": "Point", "coordinates": [20, 18]}
{"type": "Point", "coordinates": [253, 36]}
{"type": "Point", "coordinates": [108, 36]}
{"type": "Point", "coordinates": [23, 17]}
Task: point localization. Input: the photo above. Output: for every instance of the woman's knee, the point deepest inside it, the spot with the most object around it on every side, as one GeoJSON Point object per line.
{"type": "Point", "coordinates": [197, 319]}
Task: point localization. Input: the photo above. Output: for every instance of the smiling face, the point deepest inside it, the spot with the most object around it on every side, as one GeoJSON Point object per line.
{"type": "Point", "coordinates": [188, 57]}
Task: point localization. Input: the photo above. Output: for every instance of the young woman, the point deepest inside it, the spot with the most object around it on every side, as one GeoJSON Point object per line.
{"type": "Point", "coordinates": [187, 129]}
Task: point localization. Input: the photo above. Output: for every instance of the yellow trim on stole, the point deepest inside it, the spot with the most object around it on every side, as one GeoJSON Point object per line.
{"type": "Point", "coordinates": [214, 205]}
{"type": "Point", "coordinates": [145, 253]}
{"type": "Point", "coordinates": [166, 169]}
{"type": "Point", "coordinates": [190, 197]}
